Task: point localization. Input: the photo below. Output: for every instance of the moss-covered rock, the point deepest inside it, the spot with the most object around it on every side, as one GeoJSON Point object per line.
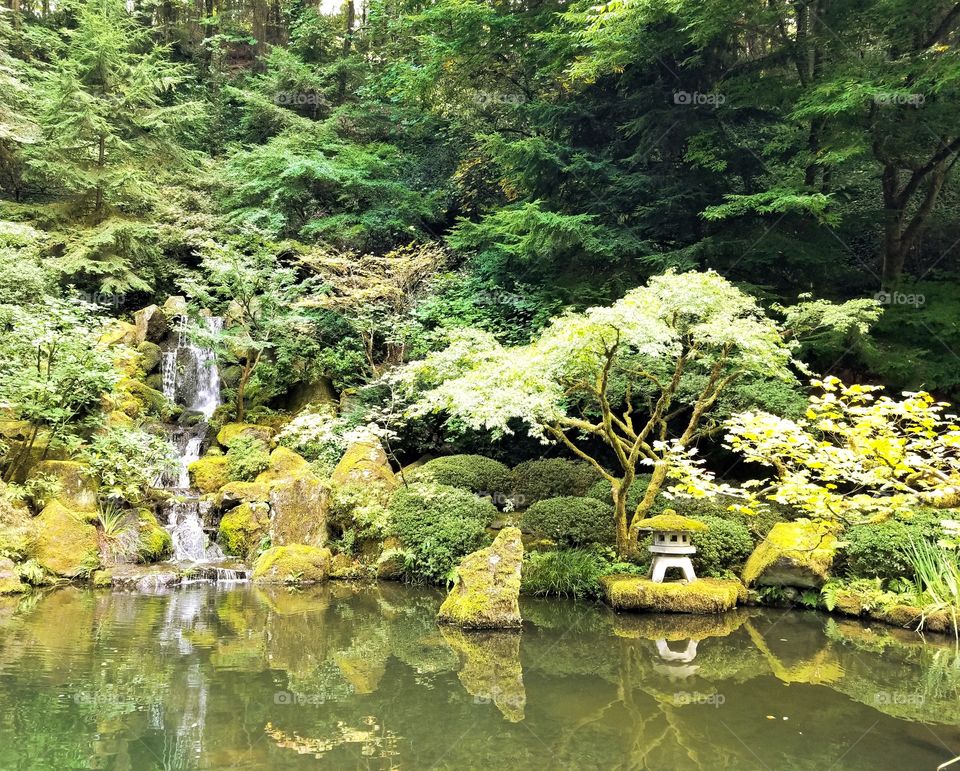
{"type": "Point", "coordinates": [155, 543]}
{"type": "Point", "coordinates": [235, 493]}
{"type": "Point", "coordinates": [487, 592]}
{"type": "Point", "coordinates": [705, 595]}
{"type": "Point", "coordinates": [390, 562]}
{"type": "Point", "coordinates": [209, 473]}
{"type": "Point", "coordinates": [294, 564]}
{"type": "Point", "coordinates": [65, 545]}
{"type": "Point", "coordinates": [151, 324]}
{"type": "Point", "coordinates": [139, 399]}
{"type": "Point", "coordinates": [243, 528]}
{"type": "Point", "coordinates": [10, 582]}
{"type": "Point", "coordinates": [798, 553]}
{"type": "Point", "coordinates": [231, 431]}
{"type": "Point", "coordinates": [101, 579]}
{"type": "Point", "coordinates": [299, 507]}
{"type": "Point", "coordinates": [77, 488]}
{"type": "Point", "coordinates": [284, 463]}
{"type": "Point", "coordinates": [150, 356]}
{"type": "Point", "coordinates": [119, 333]}
{"type": "Point", "coordinates": [343, 566]}
{"type": "Point", "coordinates": [365, 462]}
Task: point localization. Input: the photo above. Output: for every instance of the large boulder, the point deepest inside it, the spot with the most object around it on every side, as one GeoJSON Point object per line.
{"type": "Point", "coordinates": [299, 507]}
{"type": "Point", "coordinates": [487, 592]}
{"type": "Point", "coordinates": [705, 595]}
{"type": "Point", "coordinates": [798, 553]}
{"type": "Point", "coordinates": [243, 528]}
{"type": "Point", "coordinates": [150, 357]}
{"type": "Point", "coordinates": [119, 333]}
{"type": "Point", "coordinates": [77, 489]}
{"type": "Point", "coordinates": [227, 435]}
{"type": "Point", "coordinates": [151, 324]}
{"type": "Point", "coordinates": [294, 564]}
{"type": "Point", "coordinates": [364, 463]}
{"type": "Point", "coordinates": [235, 493]}
{"type": "Point", "coordinates": [284, 464]}
{"type": "Point", "coordinates": [65, 545]}
{"type": "Point", "coordinates": [9, 579]}
{"type": "Point", "coordinates": [155, 542]}
{"type": "Point", "coordinates": [209, 473]}
{"type": "Point", "coordinates": [175, 305]}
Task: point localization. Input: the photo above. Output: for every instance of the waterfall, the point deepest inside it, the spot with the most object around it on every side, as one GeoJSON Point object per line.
{"type": "Point", "coordinates": [191, 378]}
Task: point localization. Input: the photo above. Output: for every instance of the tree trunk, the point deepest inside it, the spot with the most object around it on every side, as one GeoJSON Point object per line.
{"type": "Point", "coordinates": [657, 479]}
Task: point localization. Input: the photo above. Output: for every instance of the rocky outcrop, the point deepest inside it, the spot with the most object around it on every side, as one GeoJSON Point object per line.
{"type": "Point", "coordinates": [151, 324]}
{"type": "Point", "coordinates": [155, 543]}
{"type": "Point", "coordinates": [150, 357]}
{"type": "Point", "coordinates": [77, 490]}
{"type": "Point", "coordinates": [209, 473]}
{"type": "Point", "coordinates": [235, 493]}
{"type": "Point", "coordinates": [364, 463]}
{"type": "Point", "coordinates": [299, 508]}
{"type": "Point", "coordinates": [9, 579]}
{"type": "Point", "coordinates": [487, 592]}
{"type": "Point", "coordinates": [294, 564]}
{"type": "Point", "coordinates": [232, 431]}
{"type": "Point", "coordinates": [243, 528]}
{"type": "Point", "coordinates": [65, 545]}
{"type": "Point", "coordinates": [798, 553]}
{"type": "Point", "coordinates": [284, 464]}
{"type": "Point", "coordinates": [705, 595]}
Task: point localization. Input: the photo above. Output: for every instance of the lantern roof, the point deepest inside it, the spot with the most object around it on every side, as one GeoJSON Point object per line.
{"type": "Point", "coordinates": [672, 522]}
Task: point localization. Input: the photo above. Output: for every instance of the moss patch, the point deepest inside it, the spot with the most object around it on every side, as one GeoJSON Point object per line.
{"type": "Point", "coordinates": [78, 491]}
{"type": "Point", "coordinates": [9, 579]}
{"type": "Point", "coordinates": [299, 507]}
{"type": "Point", "coordinates": [155, 543]}
{"type": "Point", "coordinates": [209, 473]}
{"type": "Point", "coordinates": [243, 492]}
{"type": "Point", "coordinates": [295, 564]}
{"type": "Point", "coordinates": [66, 546]}
{"type": "Point", "coordinates": [798, 553]}
{"type": "Point", "coordinates": [705, 595]}
{"type": "Point", "coordinates": [364, 463]}
{"type": "Point", "coordinates": [284, 463]}
{"type": "Point", "coordinates": [242, 529]}
{"type": "Point", "coordinates": [231, 431]}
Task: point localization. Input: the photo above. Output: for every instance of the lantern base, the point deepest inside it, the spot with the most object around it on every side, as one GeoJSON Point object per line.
{"type": "Point", "coordinates": [662, 563]}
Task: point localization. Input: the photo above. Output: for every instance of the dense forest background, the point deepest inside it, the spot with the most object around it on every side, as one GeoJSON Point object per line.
{"type": "Point", "coordinates": [426, 165]}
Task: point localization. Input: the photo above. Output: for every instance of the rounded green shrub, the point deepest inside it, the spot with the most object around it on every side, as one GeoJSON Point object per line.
{"type": "Point", "coordinates": [571, 521]}
{"type": "Point", "coordinates": [475, 473]}
{"type": "Point", "coordinates": [724, 547]}
{"type": "Point", "coordinates": [438, 525]}
{"type": "Point", "coordinates": [538, 480]}
{"type": "Point", "coordinates": [247, 457]}
{"type": "Point", "coordinates": [563, 573]}
{"type": "Point", "coordinates": [882, 549]}
{"type": "Point", "coordinates": [601, 491]}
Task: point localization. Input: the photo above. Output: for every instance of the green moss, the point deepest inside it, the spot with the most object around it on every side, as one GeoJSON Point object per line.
{"type": "Point", "coordinates": [101, 579]}
{"type": "Point", "coordinates": [571, 521]}
{"type": "Point", "coordinates": [488, 586]}
{"type": "Point", "coordinates": [243, 528]}
{"type": "Point", "coordinates": [364, 463]}
{"type": "Point", "coordinates": [75, 488]}
{"type": "Point", "coordinates": [141, 399]}
{"type": "Point", "coordinates": [230, 432]}
{"type": "Point", "coordinates": [468, 472]}
{"type": "Point", "coordinates": [150, 356]}
{"type": "Point", "coordinates": [284, 463]}
{"type": "Point", "coordinates": [209, 473]}
{"type": "Point", "coordinates": [155, 543]}
{"type": "Point", "coordinates": [538, 480]}
{"type": "Point", "coordinates": [671, 522]}
{"type": "Point", "coordinates": [798, 553]}
{"type": "Point", "coordinates": [244, 492]}
{"type": "Point", "coordinates": [705, 595]}
{"type": "Point", "coordinates": [295, 564]}
{"type": "Point", "coordinates": [247, 457]}
{"type": "Point", "coordinates": [119, 332]}
{"type": "Point", "coordinates": [66, 546]}
{"type": "Point", "coordinates": [299, 505]}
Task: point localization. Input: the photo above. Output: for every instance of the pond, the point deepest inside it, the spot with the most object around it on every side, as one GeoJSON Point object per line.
{"type": "Point", "coordinates": [209, 676]}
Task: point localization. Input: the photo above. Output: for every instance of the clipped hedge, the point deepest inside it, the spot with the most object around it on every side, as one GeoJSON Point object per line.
{"type": "Point", "coordinates": [724, 547]}
{"type": "Point", "coordinates": [538, 480]}
{"type": "Point", "coordinates": [882, 549]}
{"type": "Point", "coordinates": [438, 525]}
{"type": "Point", "coordinates": [475, 473]}
{"type": "Point", "coordinates": [571, 521]}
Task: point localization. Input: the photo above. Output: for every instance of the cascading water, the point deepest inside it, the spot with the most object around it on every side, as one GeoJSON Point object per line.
{"type": "Point", "coordinates": [190, 377]}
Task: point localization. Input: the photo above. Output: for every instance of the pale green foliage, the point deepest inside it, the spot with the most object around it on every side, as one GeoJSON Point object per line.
{"type": "Point", "coordinates": [126, 461]}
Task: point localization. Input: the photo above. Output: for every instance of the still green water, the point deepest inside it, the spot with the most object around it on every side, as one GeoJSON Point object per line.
{"type": "Point", "coordinates": [361, 677]}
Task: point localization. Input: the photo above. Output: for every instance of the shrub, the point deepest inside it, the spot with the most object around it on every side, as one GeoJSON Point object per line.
{"type": "Point", "coordinates": [126, 460]}
{"type": "Point", "coordinates": [883, 549]}
{"type": "Point", "coordinates": [247, 457]}
{"type": "Point", "coordinates": [362, 509]}
{"type": "Point", "coordinates": [467, 472]}
{"type": "Point", "coordinates": [564, 573]}
{"type": "Point", "coordinates": [601, 491]}
{"type": "Point", "coordinates": [571, 521]}
{"type": "Point", "coordinates": [438, 525]}
{"type": "Point", "coordinates": [538, 480]}
{"type": "Point", "coordinates": [725, 546]}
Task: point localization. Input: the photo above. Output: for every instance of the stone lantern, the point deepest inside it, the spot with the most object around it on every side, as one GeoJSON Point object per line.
{"type": "Point", "coordinates": [671, 547]}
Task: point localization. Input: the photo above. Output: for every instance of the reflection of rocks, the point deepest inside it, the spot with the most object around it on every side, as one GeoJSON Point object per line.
{"type": "Point", "coordinates": [678, 627]}
{"type": "Point", "coordinates": [490, 668]}
{"type": "Point", "coordinates": [488, 586]}
{"type": "Point", "coordinates": [787, 653]}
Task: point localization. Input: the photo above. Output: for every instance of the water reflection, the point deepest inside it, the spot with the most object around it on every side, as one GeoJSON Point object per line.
{"type": "Point", "coordinates": [358, 675]}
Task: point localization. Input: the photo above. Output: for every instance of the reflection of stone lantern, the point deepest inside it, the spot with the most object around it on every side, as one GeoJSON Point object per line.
{"type": "Point", "coordinates": [671, 547]}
